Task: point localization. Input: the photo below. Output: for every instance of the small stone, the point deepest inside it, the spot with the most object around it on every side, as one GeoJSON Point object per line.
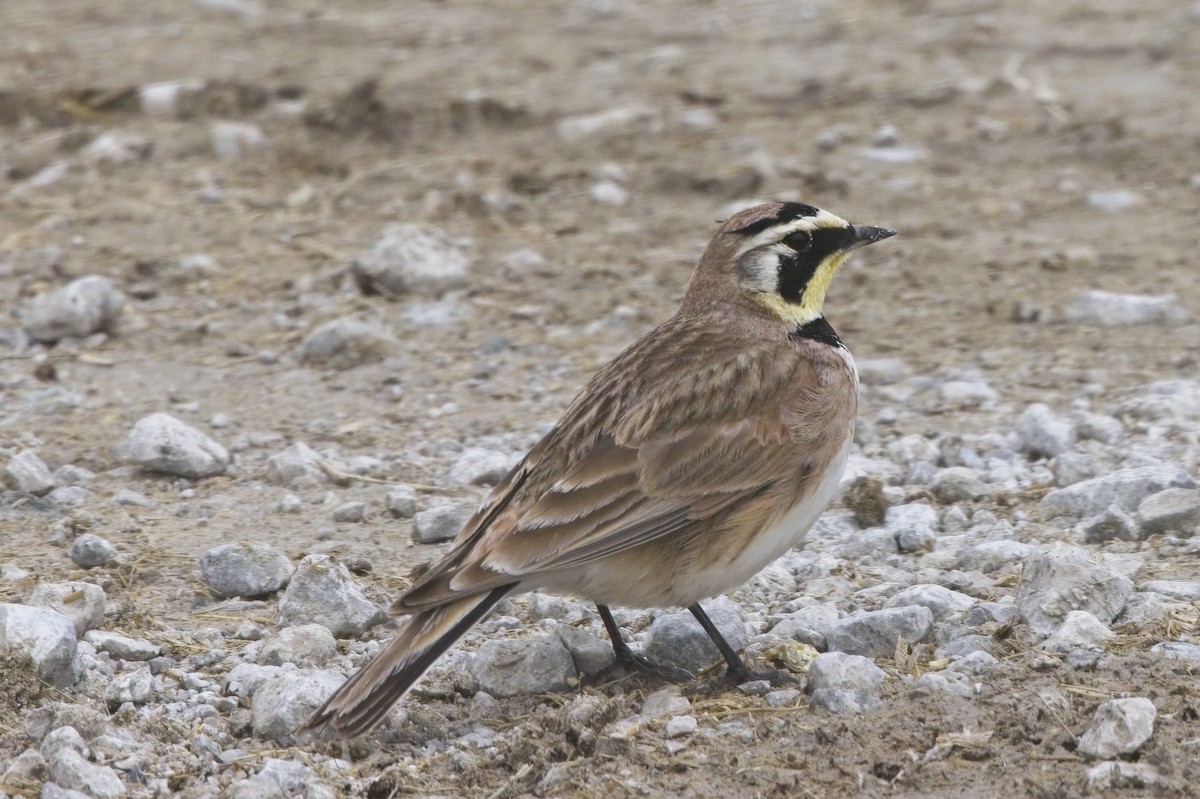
{"type": "Point", "coordinates": [967, 393]}
{"type": "Point", "coordinates": [439, 523]}
{"type": "Point", "coordinates": [247, 569]}
{"type": "Point", "coordinates": [348, 342]}
{"type": "Point", "coordinates": [991, 556]}
{"type": "Point", "coordinates": [90, 551]}
{"type": "Point", "coordinates": [1079, 630]}
{"type": "Point", "coordinates": [614, 121]}
{"type": "Point", "coordinates": [130, 498]}
{"type": "Point", "coordinates": [70, 769]}
{"type": "Point", "coordinates": [304, 645]}
{"type": "Point", "coordinates": [116, 147]}
{"type": "Point", "coordinates": [280, 704]}
{"type": "Point", "coordinates": [402, 501]}
{"type": "Point", "coordinates": [135, 687]}
{"type": "Point", "coordinates": [512, 666]}
{"type": "Point", "coordinates": [1062, 578]}
{"type": "Point", "coordinates": [26, 771]}
{"type": "Point", "coordinates": [590, 654]}
{"type": "Point", "coordinates": [85, 306]}
{"type": "Point", "coordinates": [161, 443]}
{"type": "Point", "coordinates": [350, 512]}
{"type": "Point", "coordinates": [880, 371]}
{"type": "Point", "coordinates": [299, 465]}
{"type": "Point", "coordinates": [783, 697]}
{"type": "Point", "coordinates": [1043, 433]}
{"type": "Point", "coordinates": [874, 633]}
{"type": "Point", "coordinates": [842, 683]}
{"type": "Point", "coordinates": [665, 702]}
{"type": "Point", "coordinates": [44, 636]}
{"type": "Point", "coordinates": [1125, 488]}
{"type": "Point", "coordinates": [954, 683]}
{"type": "Point", "coordinates": [957, 484]}
{"type": "Point", "coordinates": [941, 601]}
{"type": "Point", "coordinates": [1106, 309]}
{"type": "Point", "coordinates": [27, 472]}
{"type": "Point", "coordinates": [912, 526]}
{"type": "Point", "coordinates": [1173, 510]}
{"type": "Point", "coordinates": [416, 259]}
{"type": "Point", "coordinates": [1112, 524]}
{"type": "Point", "coordinates": [679, 640]}
{"type": "Point", "coordinates": [321, 591]}
{"type": "Point", "coordinates": [82, 603]}
{"type": "Point", "coordinates": [477, 466]}
{"type": "Point", "coordinates": [609, 193]}
{"type": "Point", "coordinates": [1179, 590]}
{"type": "Point", "coordinates": [234, 140]}
{"type": "Point", "coordinates": [679, 726]}
{"type": "Point", "coordinates": [1178, 649]}
{"type": "Point", "coordinates": [1114, 200]}
{"type": "Point", "coordinates": [1114, 775]}
{"type": "Point", "coordinates": [290, 503]}
{"type": "Point", "coordinates": [1119, 727]}
{"type": "Point", "coordinates": [121, 646]}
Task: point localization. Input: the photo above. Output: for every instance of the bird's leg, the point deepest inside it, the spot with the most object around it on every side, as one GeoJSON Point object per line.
{"type": "Point", "coordinates": [736, 672]}
{"type": "Point", "coordinates": [635, 660]}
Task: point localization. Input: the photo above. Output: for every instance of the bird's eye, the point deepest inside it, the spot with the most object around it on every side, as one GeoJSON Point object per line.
{"type": "Point", "coordinates": [798, 240]}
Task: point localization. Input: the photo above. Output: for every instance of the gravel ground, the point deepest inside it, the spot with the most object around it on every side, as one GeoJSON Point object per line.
{"type": "Point", "coordinates": [286, 287]}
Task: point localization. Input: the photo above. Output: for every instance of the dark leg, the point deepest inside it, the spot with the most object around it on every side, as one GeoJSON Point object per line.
{"type": "Point", "coordinates": [736, 672]}
{"type": "Point", "coordinates": [634, 660]}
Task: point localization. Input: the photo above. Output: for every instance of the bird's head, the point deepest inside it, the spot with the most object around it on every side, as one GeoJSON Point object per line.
{"type": "Point", "coordinates": [782, 256]}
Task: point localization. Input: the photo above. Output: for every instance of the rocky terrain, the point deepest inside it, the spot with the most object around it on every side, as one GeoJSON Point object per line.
{"type": "Point", "coordinates": [286, 286]}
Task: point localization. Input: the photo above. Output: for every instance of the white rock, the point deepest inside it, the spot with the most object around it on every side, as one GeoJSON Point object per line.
{"type": "Point", "coordinates": [842, 683]}
{"type": "Point", "coordinates": [1179, 590]}
{"type": "Point", "coordinates": [246, 569]}
{"type": "Point", "coordinates": [70, 769]}
{"type": "Point", "coordinates": [1079, 630]}
{"type": "Point", "coordinates": [233, 140]}
{"type": "Point", "coordinates": [512, 666]}
{"type": "Point", "coordinates": [679, 726]}
{"type": "Point", "coordinates": [1112, 523]}
{"type": "Point", "coordinates": [121, 646]}
{"type": "Point", "coordinates": [27, 472]}
{"type": "Point", "coordinates": [880, 371]}
{"type": "Point", "coordinates": [1114, 200]}
{"type": "Point", "coordinates": [46, 637]}
{"type": "Point", "coordinates": [941, 601]}
{"type": "Point", "coordinates": [85, 306]}
{"type": "Point", "coordinates": [304, 645]}
{"type": "Point", "coordinates": [402, 501]}
{"type": "Point", "coordinates": [415, 259]}
{"type": "Point", "coordinates": [1125, 488]}
{"type": "Point", "coordinates": [90, 550]}
{"type": "Point", "coordinates": [1119, 727]}
{"type": "Point", "coordinates": [1042, 432]}
{"type": "Point", "coordinates": [1175, 509]}
{"type": "Point", "coordinates": [116, 147]}
{"type": "Point", "coordinates": [1062, 578]}
{"type": "Point", "coordinates": [1114, 775]}
{"type": "Point", "coordinates": [1105, 309]}
{"type": "Point", "coordinates": [162, 98]}
{"type": "Point", "coordinates": [609, 193]}
{"type": "Point", "coordinates": [282, 703]}
{"type": "Point", "coordinates": [135, 687]}
{"type": "Point", "coordinates": [82, 603]}
{"type": "Point", "coordinates": [679, 640]}
{"type": "Point", "coordinates": [323, 592]}
{"type": "Point", "coordinates": [476, 466]}
{"type": "Point", "coordinates": [606, 123]}
{"type": "Point", "coordinates": [874, 633]}
{"type": "Point", "coordinates": [348, 342]}
{"type": "Point", "coordinates": [298, 465]}
{"type": "Point", "coordinates": [161, 443]}
{"type": "Point", "coordinates": [439, 523]}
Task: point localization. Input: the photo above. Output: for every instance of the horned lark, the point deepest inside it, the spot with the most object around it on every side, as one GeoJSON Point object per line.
{"type": "Point", "coordinates": [699, 455]}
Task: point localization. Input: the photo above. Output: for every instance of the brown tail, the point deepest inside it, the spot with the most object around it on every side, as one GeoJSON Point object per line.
{"type": "Point", "coordinates": [359, 704]}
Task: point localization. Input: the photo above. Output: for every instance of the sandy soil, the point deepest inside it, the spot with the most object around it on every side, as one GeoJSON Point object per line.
{"type": "Point", "coordinates": [449, 113]}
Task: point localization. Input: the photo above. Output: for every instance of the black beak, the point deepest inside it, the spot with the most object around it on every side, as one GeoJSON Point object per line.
{"type": "Point", "coordinates": [861, 235]}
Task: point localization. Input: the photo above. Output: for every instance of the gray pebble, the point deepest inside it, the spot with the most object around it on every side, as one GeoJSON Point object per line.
{"type": "Point", "coordinates": [348, 342]}
{"type": "Point", "coordinates": [783, 697]}
{"type": "Point", "coordinates": [1112, 775]}
{"type": "Point", "coordinates": [1079, 630]}
{"type": "Point", "coordinates": [247, 569]}
{"type": "Point", "coordinates": [304, 645]}
{"type": "Point", "coordinates": [85, 306]}
{"type": "Point", "coordinates": [842, 683]}
{"type": "Point", "coordinates": [290, 503]}
{"type": "Point", "coordinates": [991, 556]}
{"type": "Point", "coordinates": [1119, 727]}
{"type": "Point", "coordinates": [439, 523]}
{"type": "Point", "coordinates": [678, 639]}
{"type": "Point", "coordinates": [415, 259]}
{"type": "Point", "coordinates": [1179, 590]}
{"type": "Point", "coordinates": [135, 687]}
{"type": "Point", "coordinates": [69, 496]}
{"type": "Point", "coordinates": [1112, 523]}
{"type": "Point", "coordinates": [957, 484]}
{"type": "Point", "coordinates": [880, 371]}
{"type": "Point", "coordinates": [402, 501]}
{"type": "Point", "coordinates": [665, 702]}
{"type": "Point", "coordinates": [1114, 200]}
{"type": "Point", "coordinates": [27, 768]}
{"type": "Point", "coordinates": [476, 466]}
{"type": "Point", "coordinates": [232, 140]}
{"type": "Point", "coordinates": [1173, 510]}
{"type": "Point", "coordinates": [1108, 309]}
{"type": "Point", "coordinates": [1178, 649]}
{"type": "Point", "coordinates": [82, 603]}
{"type": "Point", "coordinates": [51, 790]}
{"type": "Point", "coordinates": [1073, 467]}
{"type": "Point", "coordinates": [321, 591]}
{"type": "Point", "coordinates": [299, 465]}
{"type": "Point", "coordinates": [27, 472]}
{"type": "Point", "coordinates": [941, 601]}
{"type": "Point", "coordinates": [1043, 433]}
{"type": "Point", "coordinates": [129, 497]}
{"type": "Point", "coordinates": [590, 654]}
{"type": "Point", "coordinates": [874, 633]}
{"type": "Point", "coordinates": [679, 726]}
{"type": "Point", "coordinates": [512, 666]}
{"type": "Point", "coordinates": [90, 551]}
{"type": "Point", "coordinates": [121, 646]}
{"type": "Point", "coordinates": [1062, 578]}
{"type": "Point", "coordinates": [69, 767]}
{"type": "Point", "coordinates": [47, 637]}
{"type": "Point", "coordinates": [350, 512]}
{"type": "Point", "coordinates": [161, 443]}
{"type": "Point", "coordinates": [1125, 488]}
{"type": "Point", "coordinates": [946, 681]}
{"type": "Point", "coordinates": [282, 703]}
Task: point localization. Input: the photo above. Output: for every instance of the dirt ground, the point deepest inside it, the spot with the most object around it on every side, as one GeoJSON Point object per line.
{"type": "Point", "coordinates": [1008, 116]}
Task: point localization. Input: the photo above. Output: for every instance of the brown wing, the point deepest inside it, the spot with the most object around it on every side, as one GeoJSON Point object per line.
{"type": "Point", "coordinates": [637, 459]}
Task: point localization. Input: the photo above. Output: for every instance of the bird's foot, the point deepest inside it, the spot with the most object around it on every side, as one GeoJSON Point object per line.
{"type": "Point", "coordinates": [632, 661]}
{"type": "Point", "coordinates": [778, 678]}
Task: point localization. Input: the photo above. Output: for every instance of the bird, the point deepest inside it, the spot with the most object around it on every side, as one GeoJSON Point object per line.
{"type": "Point", "coordinates": [696, 457]}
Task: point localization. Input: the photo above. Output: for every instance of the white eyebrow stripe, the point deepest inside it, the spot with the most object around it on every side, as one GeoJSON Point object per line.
{"type": "Point", "coordinates": [774, 234]}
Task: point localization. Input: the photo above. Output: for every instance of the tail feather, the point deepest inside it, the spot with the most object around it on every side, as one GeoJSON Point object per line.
{"type": "Point", "coordinates": [364, 699]}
